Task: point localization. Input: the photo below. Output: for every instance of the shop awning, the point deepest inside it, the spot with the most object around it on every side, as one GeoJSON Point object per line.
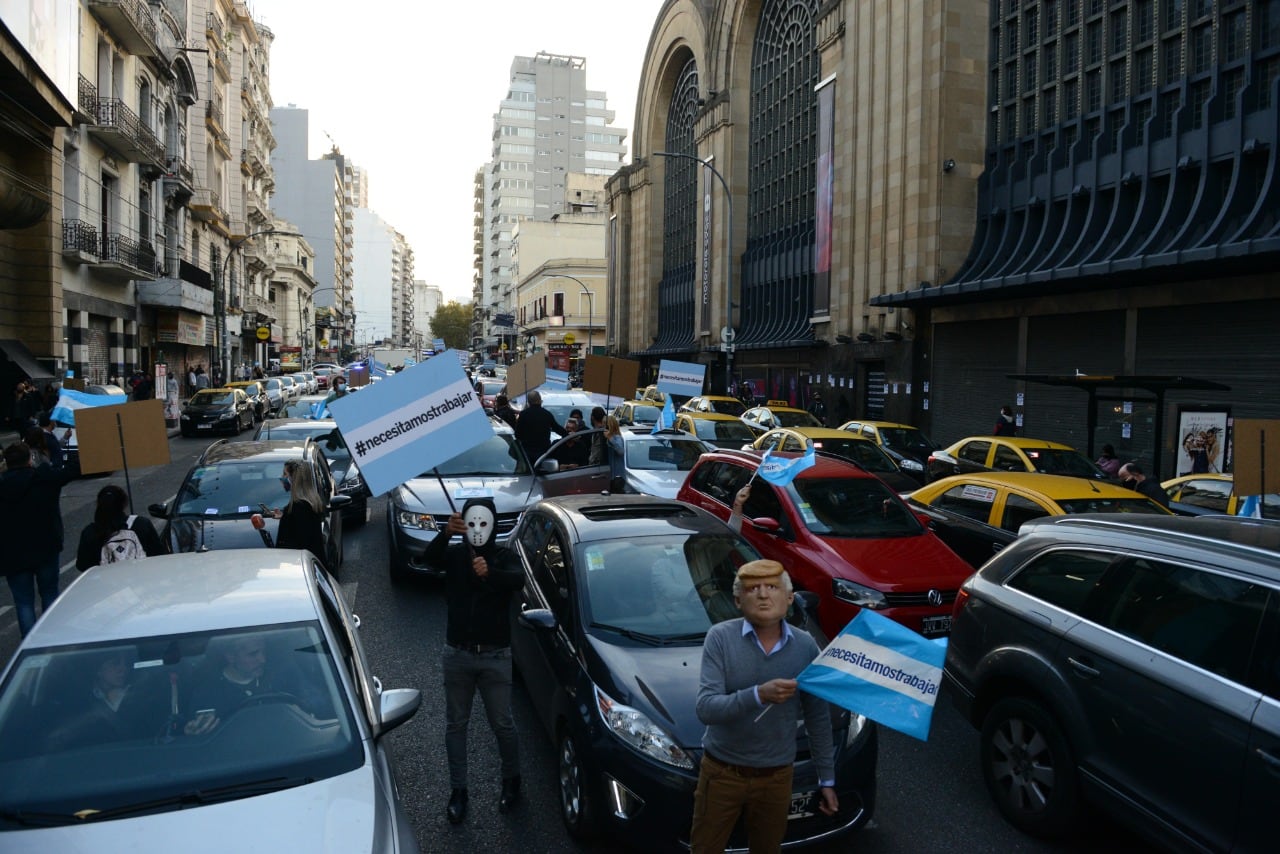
{"type": "Point", "coordinates": [15, 351]}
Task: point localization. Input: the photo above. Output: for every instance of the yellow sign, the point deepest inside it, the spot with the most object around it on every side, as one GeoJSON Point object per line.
{"type": "Point", "coordinates": [504, 346]}
{"type": "Point", "coordinates": [324, 343]}
{"type": "Point", "coordinates": [264, 332]}
{"type": "Point", "coordinates": [568, 338]}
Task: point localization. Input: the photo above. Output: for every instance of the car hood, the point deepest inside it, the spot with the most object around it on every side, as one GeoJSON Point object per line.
{"type": "Point", "coordinates": [894, 563]}
{"type": "Point", "coordinates": [209, 407]}
{"type": "Point", "coordinates": [341, 815]}
{"type": "Point", "coordinates": [664, 484]}
{"type": "Point", "coordinates": [424, 495]}
{"type": "Point", "coordinates": [660, 681]}
{"type": "Point", "coordinates": [191, 533]}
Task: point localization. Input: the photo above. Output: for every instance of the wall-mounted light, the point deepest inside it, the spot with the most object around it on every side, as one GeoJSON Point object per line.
{"type": "Point", "coordinates": [948, 165]}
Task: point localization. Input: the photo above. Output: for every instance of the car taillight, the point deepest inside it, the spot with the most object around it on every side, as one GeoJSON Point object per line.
{"type": "Point", "coordinates": [962, 596]}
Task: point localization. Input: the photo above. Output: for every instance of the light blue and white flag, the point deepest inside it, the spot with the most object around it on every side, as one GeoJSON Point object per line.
{"type": "Point", "coordinates": [557, 380]}
{"type": "Point", "coordinates": [409, 363]}
{"type": "Point", "coordinates": [397, 430]}
{"type": "Point", "coordinates": [70, 400]}
{"type": "Point", "coordinates": [881, 669]}
{"type": "Point", "coordinates": [1250, 505]}
{"type": "Point", "coordinates": [780, 471]}
{"type": "Point", "coordinates": [377, 369]}
{"type": "Point", "coordinates": [685, 378]}
{"type": "Point", "coordinates": [319, 411]}
{"type": "Point", "coordinates": [666, 418]}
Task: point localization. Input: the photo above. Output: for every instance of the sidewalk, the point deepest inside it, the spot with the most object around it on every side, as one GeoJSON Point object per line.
{"type": "Point", "coordinates": [8, 437]}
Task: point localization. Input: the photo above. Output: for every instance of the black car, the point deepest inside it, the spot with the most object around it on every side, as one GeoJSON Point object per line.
{"type": "Point", "coordinates": [210, 410]}
{"type": "Point", "coordinates": [1132, 663]}
{"type": "Point", "coordinates": [341, 465]}
{"type": "Point", "coordinates": [619, 594]}
{"type": "Point", "coordinates": [233, 480]}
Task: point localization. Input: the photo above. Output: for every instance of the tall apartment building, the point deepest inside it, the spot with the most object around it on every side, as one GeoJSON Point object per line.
{"type": "Point", "coordinates": [383, 281]}
{"type": "Point", "coordinates": [427, 300]}
{"type": "Point", "coordinates": [547, 126]}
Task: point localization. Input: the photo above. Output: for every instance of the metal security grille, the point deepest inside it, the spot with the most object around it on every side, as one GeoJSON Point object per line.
{"type": "Point", "coordinates": [777, 268]}
{"type": "Point", "coordinates": [98, 337]}
{"type": "Point", "coordinates": [676, 291]}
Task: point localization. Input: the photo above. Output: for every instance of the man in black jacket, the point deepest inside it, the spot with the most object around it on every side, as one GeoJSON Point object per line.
{"type": "Point", "coordinates": [480, 577]}
{"type": "Point", "coordinates": [535, 426]}
{"type": "Point", "coordinates": [31, 525]}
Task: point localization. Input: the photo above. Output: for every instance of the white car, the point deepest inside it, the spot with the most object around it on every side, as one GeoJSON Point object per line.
{"type": "Point", "coordinates": [203, 703]}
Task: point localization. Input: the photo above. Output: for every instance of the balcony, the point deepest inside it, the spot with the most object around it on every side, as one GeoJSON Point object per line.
{"type": "Point", "coordinates": [255, 205]}
{"type": "Point", "coordinates": [222, 62]}
{"type": "Point", "coordinates": [130, 22]}
{"type": "Point", "coordinates": [79, 241]}
{"type": "Point", "coordinates": [206, 205]}
{"type": "Point", "coordinates": [179, 180]}
{"type": "Point", "coordinates": [86, 102]}
{"type": "Point", "coordinates": [120, 129]}
{"type": "Point", "coordinates": [170, 292]}
{"type": "Point", "coordinates": [121, 257]}
{"type": "Point", "coordinates": [245, 168]}
{"type": "Point", "coordinates": [214, 120]}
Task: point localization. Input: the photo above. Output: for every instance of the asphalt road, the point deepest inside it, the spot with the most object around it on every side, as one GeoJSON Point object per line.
{"type": "Point", "coordinates": [931, 797]}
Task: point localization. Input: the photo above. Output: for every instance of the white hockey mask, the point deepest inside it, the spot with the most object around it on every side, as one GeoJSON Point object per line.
{"type": "Point", "coordinates": [480, 525]}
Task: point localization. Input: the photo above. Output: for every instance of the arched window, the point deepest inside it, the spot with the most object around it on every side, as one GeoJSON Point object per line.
{"type": "Point", "coordinates": [777, 268]}
{"type": "Point", "coordinates": [676, 290]}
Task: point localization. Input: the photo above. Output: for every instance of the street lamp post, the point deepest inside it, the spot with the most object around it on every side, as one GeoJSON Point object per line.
{"type": "Point", "coordinates": [726, 338]}
{"type": "Point", "coordinates": [591, 304]}
{"type": "Point", "coordinates": [224, 357]}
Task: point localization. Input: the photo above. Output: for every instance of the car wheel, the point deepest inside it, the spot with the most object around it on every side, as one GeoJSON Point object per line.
{"type": "Point", "coordinates": [399, 572]}
{"type": "Point", "coordinates": [1028, 768]}
{"type": "Point", "coordinates": [576, 807]}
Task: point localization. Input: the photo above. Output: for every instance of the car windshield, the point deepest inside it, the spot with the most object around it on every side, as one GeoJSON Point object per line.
{"type": "Point", "coordinates": [323, 372]}
{"type": "Point", "coordinates": [95, 732]}
{"type": "Point", "coordinates": [1108, 505]}
{"type": "Point", "coordinates": [490, 387]}
{"type": "Point", "coordinates": [326, 434]}
{"type": "Point", "coordinates": [728, 407]}
{"type": "Point", "coordinates": [864, 453]}
{"type": "Point", "coordinates": [663, 454]}
{"type": "Point", "coordinates": [232, 488]}
{"type": "Point", "coordinates": [906, 439]}
{"type": "Point", "coordinates": [661, 588]}
{"type": "Point", "coordinates": [795, 418]}
{"type": "Point", "coordinates": [861, 507]}
{"type": "Point", "coordinates": [1060, 461]}
{"type": "Point", "coordinates": [723, 431]}
{"type": "Point", "coordinates": [275, 384]}
{"type": "Point", "coordinates": [497, 455]}
{"type": "Point", "coordinates": [303, 407]}
{"type": "Point", "coordinates": [645, 414]}
{"type": "Point", "coordinates": [213, 398]}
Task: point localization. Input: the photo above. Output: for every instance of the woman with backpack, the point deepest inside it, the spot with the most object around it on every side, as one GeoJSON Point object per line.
{"type": "Point", "coordinates": [114, 535]}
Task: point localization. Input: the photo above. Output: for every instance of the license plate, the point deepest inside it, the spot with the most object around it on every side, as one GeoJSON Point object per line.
{"type": "Point", "coordinates": [932, 626]}
{"type": "Point", "coordinates": [802, 805]}
{"type": "Point", "coordinates": [204, 426]}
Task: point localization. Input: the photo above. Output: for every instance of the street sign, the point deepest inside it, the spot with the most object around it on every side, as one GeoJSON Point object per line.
{"type": "Point", "coordinates": [568, 338]}
{"type": "Point", "coordinates": [263, 333]}
{"type": "Point", "coordinates": [727, 334]}
{"type": "Point", "coordinates": [324, 343]}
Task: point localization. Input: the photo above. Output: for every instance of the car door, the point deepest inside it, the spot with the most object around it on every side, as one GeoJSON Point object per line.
{"type": "Point", "coordinates": [577, 481]}
{"type": "Point", "coordinates": [1006, 458]}
{"type": "Point", "coordinates": [545, 653]}
{"type": "Point", "coordinates": [1160, 666]}
{"type": "Point", "coordinates": [332, 524]}
{"type": "Point", "coordinates": [973, 457]}
{"type": "Point", "coordinates": [962, 517]}
{"type": "Point", "coordinates": [1260, 790]}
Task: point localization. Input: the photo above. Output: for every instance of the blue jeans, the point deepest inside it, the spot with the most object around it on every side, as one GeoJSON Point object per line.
{"type": "Point", "coordinates": [23, 586]}
{"type": "Point", "coordinates": [464, 674]}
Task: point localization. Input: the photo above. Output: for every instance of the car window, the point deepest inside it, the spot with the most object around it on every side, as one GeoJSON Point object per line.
{"type": "Point", "coordinates": [975, 452]}
{"type": "Point", "coordinates": [1099, 504]}
{"type": "Point", "coordinates": [864, 453]}
{"type": "Point", "coordinates": [1211, 494]}
{"type": "Point", "coordinates": [231, 488]}
{"type": "Point", "coordinates": [763, 502]}
{"type": "Point", "coordinates": [497, 455]}
{"type": "Point", "coordinates": [903, 439]}
{"type": "Point", "coordinates": [968, 500]}
{"type": "Point", "coordinates": [1017, 510]}
{"type": "Point", "coordinates": [861, 507]}
{"type": "Point", "coordinates": [724, 407]}
{"type": "Point", "coordinates": [213, 398]}
{"type": "Point", "coordinates": [1007, 459]}
{"type": "Point", "coordinates": [533, 534]}
{"type": "Point", "coordinates": [723, 431]}
{"type": "Point", "coordinates": [551, 573]}
{"type": "Point", "coordinates": [1060, 461]}
{"type": "Point", "coordinates": [772, 442]}
{"type": "Point", "coordinates": [1202, 617]}
{"type": "Point", "coordinates": [720, 481]}
{"type": "Point", "coordinates": [1071, 580]}
{"type": "Point", "coordinates": [788, 418]}
{"type": "Point", "coordinates": [659, 454]}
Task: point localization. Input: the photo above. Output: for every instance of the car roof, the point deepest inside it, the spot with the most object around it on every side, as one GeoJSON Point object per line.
{"type": "Point", "coordinates": [172, 594]}
{"type": "Point", "coordinates": [1174, 481]}
{"type": "Point", "coordinates": [879, 425]}
{"type": "Point", "coordinates": [824, 465]}
{"type": "Point", "coordinates": [708, 416]}
{"type": "Point", "coordinates": [724, 397]}
{"type": "Point", "coordinates": [1020, 442]}
{"type": "Point", "coordinates": [816, 433]}
{"type": "Point", "coordinates": [1052, 487]}
{"type": "Point", "coordinates": [242, 383]}
{"type": "Point", "coordinates": [275, 449]}
{"type": "Point", "coordinates": [1259, 538]}
{"type": "Point", "coordinates": [613, 517]}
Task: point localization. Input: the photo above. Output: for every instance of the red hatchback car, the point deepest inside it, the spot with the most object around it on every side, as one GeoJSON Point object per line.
{"type": "Point", "coordinates": [841, 533]}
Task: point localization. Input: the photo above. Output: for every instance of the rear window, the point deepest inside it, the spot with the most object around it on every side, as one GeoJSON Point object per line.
{"type": "Point", "coordinates": [864, 453]}
{"type": "Point", "coordinates": [663, 454]}
{"type": "Point", "coordinates": [728, 407]}
{"type": "Point", "coordinates": [1060, 461]}
{"type": "Point", "coordinates": [789, 418]}
{"type": "Point", "coordinates": [723, 430]}
{"type": "Point", "coordinates": [1065, 578]}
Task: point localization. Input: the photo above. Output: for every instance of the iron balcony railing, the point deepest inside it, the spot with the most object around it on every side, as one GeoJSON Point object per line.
{"type": "Point", "coordinates": [87, 98]}
{"type": "Point", "coordinates": [79, 236]}
{"type": "Point", "coordinates": [113, 113]}
{"type": "Point", "coordinates": [132, 253]}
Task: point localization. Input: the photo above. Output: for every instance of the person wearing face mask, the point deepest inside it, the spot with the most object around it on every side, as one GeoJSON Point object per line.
{"type": "Point", "coordinates": [480, 577]}
{"type": "Point", "coordinates": [302, 519]}
{"type": "Point", "coordinates": [339, 390]}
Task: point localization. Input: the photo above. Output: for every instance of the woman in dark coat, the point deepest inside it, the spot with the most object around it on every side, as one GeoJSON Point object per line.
{"type": "Point", "coordinates": [302, 519]}
{"type": "Point", "coordinates": [112, 515]}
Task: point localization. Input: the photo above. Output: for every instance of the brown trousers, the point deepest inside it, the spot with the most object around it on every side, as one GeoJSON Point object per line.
{"type": "Point", "coordinates": [724, 793]}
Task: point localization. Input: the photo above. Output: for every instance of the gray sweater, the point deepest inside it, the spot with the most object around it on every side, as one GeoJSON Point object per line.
{"type": "Point", "coordinates": [732, 665]}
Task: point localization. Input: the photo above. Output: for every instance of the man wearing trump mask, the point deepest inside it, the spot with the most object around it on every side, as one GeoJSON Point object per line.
{"type": "Point", "coordinates": [480, 577]}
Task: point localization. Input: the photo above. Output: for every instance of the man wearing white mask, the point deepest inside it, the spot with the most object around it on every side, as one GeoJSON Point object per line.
{"type": "Point", "coordinates": [480, 577]}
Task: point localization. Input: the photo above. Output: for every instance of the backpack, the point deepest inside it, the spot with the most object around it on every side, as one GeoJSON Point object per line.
{"type": "Point", "coordinates": [122, 545]}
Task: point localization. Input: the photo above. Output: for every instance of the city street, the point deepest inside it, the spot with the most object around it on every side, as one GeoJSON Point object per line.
{"type": "Point", "coordinates": [931, 796]}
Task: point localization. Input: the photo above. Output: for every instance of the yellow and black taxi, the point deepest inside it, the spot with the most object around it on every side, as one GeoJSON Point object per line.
{"type": "Point", "coordinates": [979, 514]}
{"type": "Point", "coordinates": [631, 413]}
{"type": "Point", "coordinates": [1212, 494]}
{"type": "Point", "coordinates": [723, 431]}
{"type": "Point", "coordinates": [909, 446]}
{"type": "Point", "coordinates": [213, 409]}
{"type": "Point", "coordinates": [777, 413]}
{"type": "Point", "coordinates": [838, 443]}
{"type": "Point", "coordinates": [1010, 453]}
{"type": "Point", "coordinates": [718, 404]}
{"type": "Point", "coordinates": [257, 396]}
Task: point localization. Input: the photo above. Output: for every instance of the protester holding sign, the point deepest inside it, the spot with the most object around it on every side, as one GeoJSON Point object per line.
{"type": "Point", "coordinates": [749, 667]}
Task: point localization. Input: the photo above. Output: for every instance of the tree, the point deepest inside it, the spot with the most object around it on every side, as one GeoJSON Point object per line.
{"type": "Point", "coordinates": [452, 322]}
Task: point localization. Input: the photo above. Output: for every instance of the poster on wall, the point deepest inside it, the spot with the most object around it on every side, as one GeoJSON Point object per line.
{"type": "Point", "coordinates": [1201, 441]}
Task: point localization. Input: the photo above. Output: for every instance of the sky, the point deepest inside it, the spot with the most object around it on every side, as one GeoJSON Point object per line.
{"type": "Point", "coordinates": [408, 91]}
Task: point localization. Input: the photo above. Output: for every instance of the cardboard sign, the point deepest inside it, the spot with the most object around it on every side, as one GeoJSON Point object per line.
{"type": "Point", "coordinates": [1256, 449]}
{"type": "Point", "coordinates": [609, 376]}
{"type": "Point", "coordinates": [74, 383]}
{"type": "Point", "coordinates": [526, 375]}
{"type": "Point", "coordinates": [146, 442]}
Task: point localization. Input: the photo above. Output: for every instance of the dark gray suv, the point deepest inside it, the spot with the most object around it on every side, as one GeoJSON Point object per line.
{"type": "Point", "coordinates": [1131, 664]}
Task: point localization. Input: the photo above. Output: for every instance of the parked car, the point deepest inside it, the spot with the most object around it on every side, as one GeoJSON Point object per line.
{"type": "Point", "coordinates": [70, 443]}
{"type": "Point", "coordinates": [1205, 494]}
{"type": "Point", "coordinates": [308, 381]}
{"type": "Point", "coordinates": [1112, 660]}
{"type": "Point", "coordinates": [489, 389]}
{"type": "Point", "coordinates": [1010, 453]}
{"type": "Point", "coordinates": [718, 404]}
{"type": "Point", "coordinates": [856, 449]}
{"type": "Point", "coordinates": [254, 390]}
{"type": "Point", "coordinates": [346, 474]}
{"type": "Point", "coordinates": [137, 773]}
{"type": "Point", "coordinates": [631, 413]}
{"type": "Point", "coordinates": [324, 374]}
{"type": "Point", "coordinates": [777, 413]}
{"type": "Point", "coordinates": [843, 534]}
{"type": "Point", "coordinates": [213, 409]}
{"type": "Point", "coordinates": [290, 386]}
{"type": "Point", "coordinates": [561, 403]}
{"type": "Point", "coordinates": [276, 395]}
{"type": "Point", "coordinates": [977, 515]}
{"type": "Point", "coordinates": [723, 431]}
{"type": "Point", "coordinates": [234, 480]}
{"type": "Point", "coordinates": [619, 594]}
{"type": "Point", "coordinates": [909, 446]}
{"type": "Point", "coordinates": [653, 464]}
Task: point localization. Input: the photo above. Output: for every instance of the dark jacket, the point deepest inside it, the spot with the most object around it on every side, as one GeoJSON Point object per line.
{"type": "Point", "coordinates": [301, 528]}
{"type": "Point", "coordinates": [534, 429]}
{"type": "Point", "coordinates": [30, 515]}
{"type": "Point", "coordinates": [1153, 490]}
{"type": "Point", "coordinates": [477, 606]}
{"type": "Point", "coordinates": [507, 414]}
{"type": "Point", "coordinates": [92, 538]}
{"type": "Point", "coordinates": [54, 446]}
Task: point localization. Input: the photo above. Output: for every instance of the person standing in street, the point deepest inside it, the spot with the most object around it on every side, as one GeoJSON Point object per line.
{"type": "Point", "coordinates": [31, 526]}
{"type": "Point", "coordinates": [480, 578]}
{"type": "Point", "coordinates": [1132, 476]}
{"type": "Point", "coordinates": [535, 426]}
{"type": "Point", "coordinates": [502, 409]}
{"type": "Point", "coordinates": [302, 519]}
{"type": "Point", "coordinates": [749, 667]}
{"type": "Point", "coordinates": [1006, 424]}
{"type": "Point", "coordinates": [818, 409]}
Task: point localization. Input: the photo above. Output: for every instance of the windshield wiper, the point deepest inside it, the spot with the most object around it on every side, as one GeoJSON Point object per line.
{"type": "Point", "coordinates": [198, 797]}
{"type": "Point", "coordinates": [27, 818]}
{"type": "Point", "coordinates": [630, 633]}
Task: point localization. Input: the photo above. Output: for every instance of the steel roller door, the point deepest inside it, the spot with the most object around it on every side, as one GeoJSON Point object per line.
{"type": "Point", "coordinates": [972, 361]}
{"type": "Point", "coordinates": [98, 339]}
{"type": "Point", "coordinates": [1091, 343]}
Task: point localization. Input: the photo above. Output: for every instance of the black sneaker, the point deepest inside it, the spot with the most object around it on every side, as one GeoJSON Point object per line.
{"type": "Point", "coordinates": [510, 794]}
{"type": "Point", "coordinates": [457, 806]}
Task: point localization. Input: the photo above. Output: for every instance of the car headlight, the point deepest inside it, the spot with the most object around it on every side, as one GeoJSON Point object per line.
{"type": "Point", "coordinates": [416, 521]}
{"type": "Point", "coordinates": [857, 594]}
{"type": "Point", "coordinates": [227, 416]}
{"type": "Point", "coordinates": [186, 417]}
{"type": "Point", "coordinates": [351, 483]}
{"type": "Point", "coordinates": [635, 729]}
{"type": "Point", "coordinates": [910, 465]}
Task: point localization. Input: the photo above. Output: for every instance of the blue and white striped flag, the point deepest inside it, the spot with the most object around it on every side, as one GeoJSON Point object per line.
{"type": "Point", "coordinates": [319, 411]}
{"type": "Point", "coordinates": [881, 669]}
{"type": "Point", "coordinates": [70, 400]}
{"type": "Point", "coordinates": [377, 369]}
{"type": "Point", "coordinates": [1250, 505]}
{"type": "Point", "coordinates": [666, 418]}
{"type": "Point", "coordinates": [780, 472]}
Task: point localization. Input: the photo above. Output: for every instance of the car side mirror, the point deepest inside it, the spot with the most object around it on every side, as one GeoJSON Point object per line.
{"type": "Point", "coordinates": [158, 511]}
{"type": "Point", "coordinates": [537, 619]}
{"type": "Point", "coordinates": [548, 466]}
{"type": "Point", "coordinates": [338, 502]}
{"type": "Point", "coordinates": [925, 518]}
{"type": "Point", "coordinates": [397, 705]}
{"type": "Point", "coordinates": [767, 524]}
